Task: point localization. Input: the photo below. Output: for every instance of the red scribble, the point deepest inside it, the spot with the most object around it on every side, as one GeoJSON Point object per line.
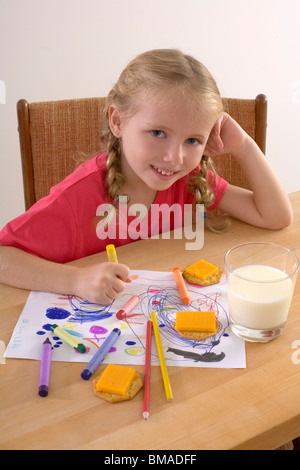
{"type": "Point", "coordinates": [210, 303]}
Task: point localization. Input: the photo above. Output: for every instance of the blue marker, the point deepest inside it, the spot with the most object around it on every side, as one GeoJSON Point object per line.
{"type": "Point", "coordinates": [100, 354]}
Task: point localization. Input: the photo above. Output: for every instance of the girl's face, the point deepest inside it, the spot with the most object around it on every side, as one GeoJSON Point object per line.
{"type": "Point", "coordinates": [162, 142]}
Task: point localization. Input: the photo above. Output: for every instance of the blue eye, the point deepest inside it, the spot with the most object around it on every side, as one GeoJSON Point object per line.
{"type": "Point", "coordinates": [193, 141]}
{"type": "Point", "coordinates": [157, 133]}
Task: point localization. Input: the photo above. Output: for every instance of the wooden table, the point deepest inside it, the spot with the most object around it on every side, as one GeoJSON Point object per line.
{"type": "Point", "coordinates": [253, 408]}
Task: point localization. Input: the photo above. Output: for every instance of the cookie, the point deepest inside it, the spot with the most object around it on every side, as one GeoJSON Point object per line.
{"type": "Point", "coordinates": [214, 279]}
{"type": "Point", "coordinates": [198, 335]}
{"type": "Point", "coordinates": [134, 388]}
{"type": "Point", "coordinates": [202, 273]}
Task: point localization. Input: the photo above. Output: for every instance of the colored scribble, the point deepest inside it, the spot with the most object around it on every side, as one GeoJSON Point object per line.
{"type": "Point", "coordinates": [92, 324]}
{"type": "Point", "coordinates": [56, 313]}
{"type": "Point", "coordinates": [135, 351]}
{"type": "Point", "coordinates": [165, 302]}
{"type": "Point", "coordinates": [85, 312]}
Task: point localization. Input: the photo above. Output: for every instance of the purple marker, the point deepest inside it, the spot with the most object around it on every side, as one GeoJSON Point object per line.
{"type": "Point", "coordinates": [45, 368]}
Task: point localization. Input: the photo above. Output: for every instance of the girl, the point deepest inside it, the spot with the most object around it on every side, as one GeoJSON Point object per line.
{"type": "Point", "coordinates": [164, 116]}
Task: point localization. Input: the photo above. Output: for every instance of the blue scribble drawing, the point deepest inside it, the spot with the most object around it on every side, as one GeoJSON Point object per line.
{"type": "Point", "coordinates": [84, 311]}
{"type": "Point", "coordinates": [165, 302]}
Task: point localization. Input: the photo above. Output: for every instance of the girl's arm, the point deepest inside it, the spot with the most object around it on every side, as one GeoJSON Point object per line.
{"type": "Point", "coordinates": [100, 283]}
{"type": "Point", "coordinates": [267, 204]}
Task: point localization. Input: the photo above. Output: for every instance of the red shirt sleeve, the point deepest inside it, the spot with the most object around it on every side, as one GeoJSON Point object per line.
{"type": "Point", "coordinates": [46, 230]}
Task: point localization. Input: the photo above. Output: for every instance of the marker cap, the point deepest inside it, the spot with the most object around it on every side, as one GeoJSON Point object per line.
{"type": "Point", "coordinates": [53, 327]}
{"type": "Point", "coordinates": [43, 390]}
{"type": "Point", "coordinates": [86, 374]}
{"type": "Point", "coordinates": [81, 348]}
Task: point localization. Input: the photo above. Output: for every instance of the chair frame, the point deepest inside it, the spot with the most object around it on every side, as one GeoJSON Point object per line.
{"type": "Point", "coordinates": [23, 114]}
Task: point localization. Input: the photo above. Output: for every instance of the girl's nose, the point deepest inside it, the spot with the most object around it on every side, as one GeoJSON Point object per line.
{"type": "Point", "coordinates": [174, 155]}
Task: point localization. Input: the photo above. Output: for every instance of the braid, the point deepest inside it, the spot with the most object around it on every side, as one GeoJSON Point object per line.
{"type": "Point", "coordinates": [198, 183]}
{"type": "Point", "coordinates": [215, 221]}
{"type": "Point", "coordinates": [115, 180]}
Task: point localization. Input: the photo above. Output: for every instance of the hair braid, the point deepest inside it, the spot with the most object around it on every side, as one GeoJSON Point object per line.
{"type": "Point", "coordinates": [115, 180]}
{"type": "Point", "coordinates": [197, 182]}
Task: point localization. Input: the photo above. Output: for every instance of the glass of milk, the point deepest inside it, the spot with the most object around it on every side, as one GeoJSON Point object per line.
{"type": "Point", "coordinates": [260, 282]}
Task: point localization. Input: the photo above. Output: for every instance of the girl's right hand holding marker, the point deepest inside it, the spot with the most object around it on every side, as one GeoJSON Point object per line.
{"type": "Point", "coordinates": [101, 283]}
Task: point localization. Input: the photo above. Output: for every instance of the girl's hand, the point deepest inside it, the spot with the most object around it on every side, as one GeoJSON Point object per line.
{"type": "Point", "coordinates": [101, 283]}
{"type": "Point", "coordinates": [226, 136]}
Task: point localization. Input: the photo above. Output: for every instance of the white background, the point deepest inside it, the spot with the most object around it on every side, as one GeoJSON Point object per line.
{"type": "Point", "coordinates": [60, 49]}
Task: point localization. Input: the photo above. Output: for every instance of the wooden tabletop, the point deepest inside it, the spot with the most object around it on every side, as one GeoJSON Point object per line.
{"type": "Point", "coordinates": [253, 408]}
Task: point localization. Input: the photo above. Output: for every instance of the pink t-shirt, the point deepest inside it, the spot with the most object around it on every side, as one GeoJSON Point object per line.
{"type": "Point", "coordinates": [62, 227]}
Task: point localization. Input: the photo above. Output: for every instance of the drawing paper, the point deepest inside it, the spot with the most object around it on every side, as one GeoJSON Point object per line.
{"type": "Point", "coordinates": [92, 324]}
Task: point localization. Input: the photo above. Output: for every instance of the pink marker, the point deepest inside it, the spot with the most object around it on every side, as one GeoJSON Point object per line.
{"type": "Point", "coordinates": [128, 307]}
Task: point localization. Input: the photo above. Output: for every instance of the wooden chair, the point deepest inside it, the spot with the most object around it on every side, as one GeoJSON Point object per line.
{"type": "Point", "coordinates": [56, 136]}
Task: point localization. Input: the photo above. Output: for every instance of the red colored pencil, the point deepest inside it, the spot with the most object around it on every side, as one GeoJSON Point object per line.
{"type": "Point", "coordinates": [146, 407]}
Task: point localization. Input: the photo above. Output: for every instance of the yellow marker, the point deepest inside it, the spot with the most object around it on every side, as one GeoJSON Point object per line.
{"type": "Point", "coordinates": [111, 253]}
{"type": "Point", "coordinates": [162, 360]}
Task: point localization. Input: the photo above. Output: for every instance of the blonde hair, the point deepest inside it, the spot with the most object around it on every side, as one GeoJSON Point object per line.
{"type": "Point", "coordinates": [145, 75]}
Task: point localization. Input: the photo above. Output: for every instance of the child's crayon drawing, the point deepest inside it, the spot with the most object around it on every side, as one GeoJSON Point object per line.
{"type": "Point", "coordinates": [92, 324]}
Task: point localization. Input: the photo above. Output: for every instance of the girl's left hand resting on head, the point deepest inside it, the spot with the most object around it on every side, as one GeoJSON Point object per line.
{"type": "Point", "coordinates": [266, 204]}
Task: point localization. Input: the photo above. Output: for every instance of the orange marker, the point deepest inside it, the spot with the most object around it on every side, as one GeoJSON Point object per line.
{"type": "Point", "coordinates": [181, 286]}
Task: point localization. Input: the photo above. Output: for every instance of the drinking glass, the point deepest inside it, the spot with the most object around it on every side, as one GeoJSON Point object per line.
{"type": "Point", "coordinates": [260, 282]}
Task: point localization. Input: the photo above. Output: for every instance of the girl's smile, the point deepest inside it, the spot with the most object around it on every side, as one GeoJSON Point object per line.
{"type": "Point", "coordinates": [164, 173]}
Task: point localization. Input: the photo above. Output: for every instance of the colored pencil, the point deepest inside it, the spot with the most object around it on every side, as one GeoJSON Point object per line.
{"type": "Point", "coordinates": [162, 360]}
{"type": "Point", "coordinates": [181, 286]}
{"type": "Point", "coordinates": [146, 406]}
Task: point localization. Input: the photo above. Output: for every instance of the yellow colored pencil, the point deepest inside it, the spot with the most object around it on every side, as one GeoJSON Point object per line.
{"type": "Point", "coordinates": [111, 253]}
{"type": "Point", "coordinates": [162, 360]}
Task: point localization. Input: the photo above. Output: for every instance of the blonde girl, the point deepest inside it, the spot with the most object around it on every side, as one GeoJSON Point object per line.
{"type": "Point", "coordinates": [164, 117]}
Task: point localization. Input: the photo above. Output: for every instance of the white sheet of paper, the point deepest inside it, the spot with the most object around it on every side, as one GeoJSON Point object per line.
{"type": "Point", "coordinates": [92, 324]}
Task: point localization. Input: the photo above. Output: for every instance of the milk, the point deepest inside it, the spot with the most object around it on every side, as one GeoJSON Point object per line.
{"type": "Point", "coordinates": [259, 304]}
